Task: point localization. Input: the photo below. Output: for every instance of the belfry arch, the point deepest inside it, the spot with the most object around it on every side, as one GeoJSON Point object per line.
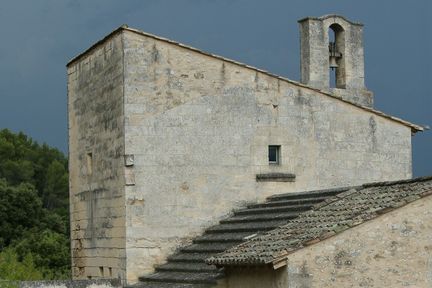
{"type": "Point", "coordinates": [336, 36]}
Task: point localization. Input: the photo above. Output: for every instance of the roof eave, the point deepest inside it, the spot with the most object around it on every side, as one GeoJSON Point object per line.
{"type": "Point", "coordinates": [279, 262]}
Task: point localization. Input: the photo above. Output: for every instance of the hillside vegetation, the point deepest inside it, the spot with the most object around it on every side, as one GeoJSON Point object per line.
{"type": "Point", "coordinates": [34, 216]}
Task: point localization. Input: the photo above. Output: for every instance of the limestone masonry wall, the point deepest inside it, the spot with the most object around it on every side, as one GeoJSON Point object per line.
{"type": "Point", "coordinates": [96, 149]}
{"type": "Point", "coordinates": [394, 250]}
{"type": "Point", "coordinates": [197, 131]}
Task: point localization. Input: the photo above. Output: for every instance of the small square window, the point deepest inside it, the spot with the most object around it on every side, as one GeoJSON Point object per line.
{"type": "Point", "coordinates": [274, 154]}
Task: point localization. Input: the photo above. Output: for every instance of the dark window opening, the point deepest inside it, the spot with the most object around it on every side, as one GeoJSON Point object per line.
{"type": "Point", "coordinates": [332, 78]}
{"type": "Point", "coordinates": [89, 163]}
{"type": "Point", "coordinates": [336, 37]}
{"type": "Point", "coordinates": [274, 154]}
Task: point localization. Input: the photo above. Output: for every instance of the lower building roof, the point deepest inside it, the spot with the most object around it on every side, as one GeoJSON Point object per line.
{"type": "Point", "coordinates": [330, 217]}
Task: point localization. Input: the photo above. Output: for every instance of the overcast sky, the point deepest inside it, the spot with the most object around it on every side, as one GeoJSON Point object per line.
{"type": "Point", "coordinates": [40, 36]}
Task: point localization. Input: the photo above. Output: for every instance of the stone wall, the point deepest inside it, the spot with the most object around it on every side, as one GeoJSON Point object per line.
{"type": "Point", "coordinates": [393, 250]}
{"type": "Point", "coordinates": [96, 149]}
{"type": "Point", "coordinates": [197, 131]}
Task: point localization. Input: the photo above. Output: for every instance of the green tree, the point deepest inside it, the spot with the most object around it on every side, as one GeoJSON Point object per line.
{"type": "Point", "coordinates": [55, 192]}
{"type": "Point", "coordinates": [34, 218]}
{"type": "Point", "coordinates": [24, 160]}
{"type": "Point", "coordinates": [20, 210]}
{"type": "Point", "coordinates": [49, 251]}
{"type": "Point", "coordinates": [13, 269]}
{"type": "Point", "coordinates": [17, 171]}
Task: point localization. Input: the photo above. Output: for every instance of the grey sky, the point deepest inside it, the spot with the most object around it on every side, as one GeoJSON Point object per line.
{"type": "Point", "coordinates": [40, 36]}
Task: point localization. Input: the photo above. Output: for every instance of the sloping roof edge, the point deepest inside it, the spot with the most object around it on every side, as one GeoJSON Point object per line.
{"type": "Point", "coordinates": [414, 127]}
{"type": "Point", "coordinates": [281, 259]}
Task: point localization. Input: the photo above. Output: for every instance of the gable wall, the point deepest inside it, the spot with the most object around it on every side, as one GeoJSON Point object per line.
{"type": "Point", "coordinates": [199, 129]}
{"type": "Point", "coordinates": [393, 250]}
{"type": "Point", "coordinates": [97, 213]}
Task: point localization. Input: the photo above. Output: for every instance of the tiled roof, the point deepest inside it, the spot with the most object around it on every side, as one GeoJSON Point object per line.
{"type": "Point", "coordinates": [414, 128]}
{"type": "Point", "coordinates": [187, 268]}
{"type": "Point", "coordinates": [336, 214]}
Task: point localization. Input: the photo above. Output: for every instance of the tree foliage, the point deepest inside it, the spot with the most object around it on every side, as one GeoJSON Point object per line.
{"type": "Point", "coordinates": [11, 268]}
{"type": "Point", "coordinates": [34, 216]}
{"type": "Point", "coordinates": [20, 210]}
{"type": "Point", "coordinates": [40, 244]}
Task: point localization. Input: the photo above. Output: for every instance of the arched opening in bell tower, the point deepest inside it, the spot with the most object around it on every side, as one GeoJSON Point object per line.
{"type": "Point", "coordinates": [336, 36]}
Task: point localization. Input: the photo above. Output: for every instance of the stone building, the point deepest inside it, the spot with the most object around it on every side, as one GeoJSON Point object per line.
{"type": "Point", "coordinates": [165, 140]}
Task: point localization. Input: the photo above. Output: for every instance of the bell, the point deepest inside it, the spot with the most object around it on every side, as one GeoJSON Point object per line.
{"type": "Point", "coordinates": [333, 63]}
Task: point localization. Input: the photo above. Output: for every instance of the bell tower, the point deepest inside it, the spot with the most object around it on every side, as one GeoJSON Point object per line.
{"type": "Point", "coordinates": [332, 57]}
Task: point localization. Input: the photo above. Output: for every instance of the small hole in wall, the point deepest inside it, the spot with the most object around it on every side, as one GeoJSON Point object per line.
{"type": "Point", "coordinates": [101, 271]}
{"type": "Point", "coordinates": [89, 277]}
{"type": "Point", "coordinates": [110, 271]}
{"type": "Point", "coordinates": [89, 163]}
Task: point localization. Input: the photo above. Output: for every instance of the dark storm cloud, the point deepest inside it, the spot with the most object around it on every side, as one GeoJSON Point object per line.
{"type": "Point", "coordinates": [39, 37]}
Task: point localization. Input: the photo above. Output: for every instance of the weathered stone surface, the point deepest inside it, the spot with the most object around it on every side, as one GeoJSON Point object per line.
{"type": "Point", "coordinates": [198, 142]}
{"type": "Point", "coordinates": [197, 128]}
{"type": "Point", "coordinates": [314, 41]}
{"type": "Point", "coordinates": [96, 149]}
{"type": "Point", "coordinates": [393, 250]}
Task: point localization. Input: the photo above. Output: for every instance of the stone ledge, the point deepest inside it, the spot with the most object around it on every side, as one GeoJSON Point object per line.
{"type": "Point", "coordinates": [275, 177]}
